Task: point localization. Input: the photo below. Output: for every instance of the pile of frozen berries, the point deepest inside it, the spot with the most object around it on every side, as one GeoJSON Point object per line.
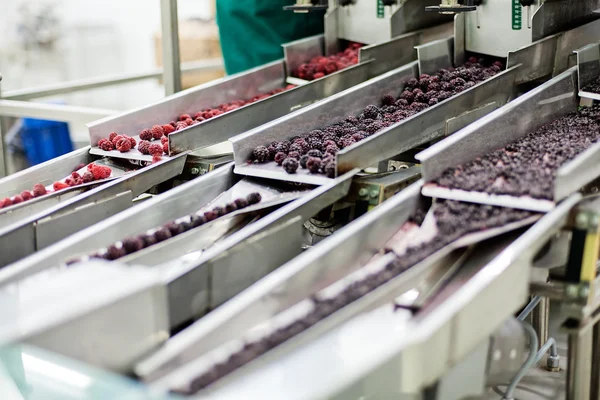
{"type": "Point", "coordinates": [124, 143]}
{"type": "Point", "coordinates": [94, 173]}
{"type": "Point", "coordinates": [316, 150]}
{"type": "Point", "coordinates": [133, 244]}
{"type": "Point", "coordinates": [320, 66]}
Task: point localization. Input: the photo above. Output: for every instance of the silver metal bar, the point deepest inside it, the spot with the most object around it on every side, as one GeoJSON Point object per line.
{"type": "Point", "coordinates": [503, 126]}
{"type": "Point", "coordinates": [579, 367]}
{"type": "Point", "coordinates": [595, 374]}
{"type": "Point", "coordinates": [19, 240]}
{"type": "Point", "coordinates": [588, 68]}
{"type": "Point", "coordinates": [73, 86]}
{"type": "Point", "coordinates": [3, 130]}
{"type": "Point", "coordinates": [55, 112]}
{"type": "Point", "coordinates": [240, 86]}
{"type": "Point", "coordinates": [391, 54]}
{"type": "Point", "coordinates": [170, 46]}
{"type": "Point", "coordinates": [540, 319]}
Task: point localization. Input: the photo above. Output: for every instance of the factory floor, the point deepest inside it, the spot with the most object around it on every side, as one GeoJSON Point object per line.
{"type": "Point", "coordinates": [540, 384]}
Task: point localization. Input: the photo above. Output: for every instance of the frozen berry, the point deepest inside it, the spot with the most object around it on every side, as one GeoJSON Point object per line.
{"type": "Point", "coordinates": [26, 195]}
{"type": "Point", "coordinates": [197, 220]}
{"type": "Point", "coordinates": [294, 154]}
{"type": "Point", "coordinates": [303, 161]}
{"type": "Point", "coordinates": [329, 170]}
{"type": "Point", "coordinates": [209, 216]}
{"type": "Point", "coordinates": [219, 211]}
{"type": "Point", "coordinates": [148, 240]}
{"type": "Point", "coordinates": [124, 145]}
{"type": "Point", "coordinates": [387, 100]}
{"type": "Point", "coordinates": [229, 208]}
{"type": "Point", "coordinates": [101, 141]}
{"type": "Point", "coordinates": [332, 150]}
{"type": "Point", "coordinates": [174, 228]}
{"type": "Point", "coordinates": [166, 147]}
{"type": "Point", "coordinates": [183, 117]}
{"type": "Point", "coordinates": [117, 139]}
{"type": "Point", "coordinates": [155, 148]}
{"type": "Point", "coordinates": [433, 101]}
{"type": "Point", "coordinates": [162, 234]}
{"type": "Point", "coordinates": [6, 202]}
{"type": "Point", "coordinates": [180, 125]}
{"type": "Point", "coordinates": [101, 171]}
{"type": "Point", "coordinates": [168, 129]}
{"type": "Point", "coordinates": [279, 157]}
{"type": "Point", "coordinates": [371, 112]}
{"type": "Point", "coordinates": [315, 153]}
{"type": "Point", "coordinates": [290, 165]}
{"type": "Point", "coordinates": [17, 199]}
{"type": "Point", "coordinates": [313, 164]}
{"type": "Point", "coordinates": [164, 140]}
{"type": "Point", "coordinates": [112, 136]}
{"type": "Point", "coordinates": [144, 146]}
{"type": "Point", "coordinates": [261, 154]}
{"type": "Point", "coordinates": [113, 252]}
{"type": "Point", "coordinates": [241, 203]}
{"type": "Point", "coordinates": [59, 186]}
{"type": "Point", "coordinates": [87, 177]}
{"type": "Point", "coordinates": [156, 158]}
{"type": "Point", "coordinates": [157, 131]}
{"type": "Point", "coordinates": [407, 96]}
{"type": "Point", "coordinates": [40, 190]}
{"type": "Point", "coordinates": [131, 245]}
{"type": "Point", "coordinates": [189, 122]}
{"type": "Point", "coordinates": [106, 146]}
{"type": "Point", "coordinates": [146, 135]}
{"type": "Point", "coordinates": [254, 198]}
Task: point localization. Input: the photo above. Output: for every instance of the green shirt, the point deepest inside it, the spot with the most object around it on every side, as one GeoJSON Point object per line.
{"type": "Point", "coordinates": [252, 31]}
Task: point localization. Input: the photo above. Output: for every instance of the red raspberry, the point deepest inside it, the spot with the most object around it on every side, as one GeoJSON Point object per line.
{"type": "Point", "coordinates": [143, 147]}
{"type": "Point", "coordinates": [124, 145]}
{"type": "Point", "coordinates": [59, 186]}
{"type": "Point", "coordinates": [70, 182]}
{"type": "Point", "coordinates": [155, 148]}
{"type": "Point", "coordinates": [6, 202]}
{"type": "Point", "coordinates": [116, 139]}
{"type": "Point", "coordinates": [87, 177]}
{"type": "Point", "coordinates": [200, 119]}
{"type": "Point", "coordinates": [17, 199]}
{"type": "Point", "coordinates": [39, 190]}
{"type": "Point", "coordinates": [103, 140]}
{"type": "Point", "coordinates": [112, 136]}
{"type": "Point", "coordinates": [146, 135]}
{"type": "Point", "coordinates": [166, 147]}
{"type": "Point", "coordinates": [157, 131]}
{"type": "Point", "coordinates": [189, 121]}
{"type": "Point", "coordinates": [168, 129]}
{"type": "Point", "coordinates": [156, 158]}
{"type": "Point", "coordinates": [183, 117]}
{"type": "Point", "coordinates": [180, 125]}
{"type": "Point", "coordinates": [75, 175]}
{"type": "Point", "coordinates": [164, 140]}
{"type": "Point", "coordinates": [106, 146]}
{"type": "Point", "coordinates": [198, 115]}
{"type": "Point", "coordinates": [131, 140]}
{"type": "Point", "coordinates": [318, 75]}
{"type": "Point", "coordinates": [101, 172]}
{"type": "Point", "coordinates": [172, 123]}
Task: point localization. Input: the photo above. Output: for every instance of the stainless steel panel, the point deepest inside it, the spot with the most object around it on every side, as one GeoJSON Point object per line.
{"type": "Point", "coordinates": [331, 29]}
{"type": "Point", "coordinates": [121, 313]}
{"type": "Point", "coordinates": [411, 16]}
{"type": "Point", "coordinates": [557, 15]}
{"type": "Point", "coordinates": [183, 199]}
{"type": "Point", "coordinates": [427, 125]}
{"type": "Point", "coordinates": [536, 60]}
{"type": "Point", "coordinates": [326, 112]}
{"type": "Point", "coordinates": [391, 54]}
{"type": "Point", "coordinates": [459, 38]}
{"type": "Point", "coordinates": [543, 104]}
{"type": "Point", "coordinates": [186, 301]}
{"type": "Point", "coordinates": [302, 50]}
{"type": "Point", "coordinates": [436, 55]}
{"type": "Point", "coordinates": [34, 206]}
{"type": "Point", "coordinates": [52, 229]}
{"type": "Point", "coordinates": [588, 68]}
{"type": "Point", "coordinates": [240, 86]}
{"type": "Point", "coordinates": [578, 172]}
{"type": "Point", "coordinates": [226, 126]}
{"type": "Point", "coordinates": [332, 259]}
{"type": "Point", "coordinates": [571, 40]}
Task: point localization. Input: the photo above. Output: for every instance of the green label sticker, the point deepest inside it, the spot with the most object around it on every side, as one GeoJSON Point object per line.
{"type": "Point", "coordinates": [380, 9]}
{"type": "Point", "coordinates": [517, 15]}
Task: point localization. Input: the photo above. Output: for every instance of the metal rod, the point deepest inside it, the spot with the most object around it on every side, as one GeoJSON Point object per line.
{"type": "Point", "coordinates": [212, 64]}
{"type": "Point", "coordinates": [532, 304]}
{"type": "Point", "coordinates": [540, 318]}
{"type": "Point", "coordinates": [531, 359]}
{"type": "Point", "coordinates": [3, 130]}
{"type": "Point", "coordinates": [549, 345]}
{"type": "Point", "coordinates": [579, 365]}
{"type": "Point", "coordinates": [170, 46]}
{"type": "Point", "coordinates": [595, 378]}
{"type": "Point", "coordinates": [55, 112]}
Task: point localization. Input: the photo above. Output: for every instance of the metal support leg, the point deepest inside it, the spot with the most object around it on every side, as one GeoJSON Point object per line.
{"type": "Point", "coordinates": [539, 319]}
{"type": "Point", "coordinates": [170, 46]}
{"type": "Point", "coordinates": [3, 130]}
{"type": "Point", "coordinates": [579, 365]}
{"type": "Point", "coordinates": [595, 379]}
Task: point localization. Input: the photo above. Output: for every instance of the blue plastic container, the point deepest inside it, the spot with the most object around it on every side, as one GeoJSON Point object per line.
{"type": "Point", "coordinates": [43, 140]}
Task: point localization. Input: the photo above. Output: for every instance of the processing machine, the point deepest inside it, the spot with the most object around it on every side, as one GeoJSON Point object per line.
{"type": "Point", "coordinates": [406, 266]}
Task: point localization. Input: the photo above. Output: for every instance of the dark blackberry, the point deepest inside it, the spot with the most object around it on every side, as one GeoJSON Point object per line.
{"type": "Point", "coordinates": [457, 82]}
{"type": "Point", "coordinates": [329, 170]}
{"type": "Point", "coordinates": [412, 83]}
{"type": "Point", "coordinates": [469, 85]}
{"type": "Point", "coordinates": [358, 136]}
{"type": "Point", "coordinates": [402, 103]}
{"type": "Point", "coordinates": [253, 198]}
{"type": "Point", "coordinates": [352, 120]}
{"type": "Point", "coordinates": [387, 100]}
{"type": "Point", "coordinates": [272, 152]}
{"type": "Point", "coordinates": [113, 252]}
{"type": "Point", "coordinates": [197, 220]}
{"type": "Point", "coordinates": [424, 84]}
{"type": "Point", "coordinates": [347, 142]}
{"type": "Point", "coordinates": [407, 96]}
{"type": "Point", "coordinates": [316, 134]}
{"type": "Point", "coordinates": [174, 228]}
{"type": "Point", "coordinates": [162, 234]}
{"type": "Point", "coordinates": [332, 150]}
{"type": "Point", "coordinates": [315, 153]}
{"type": "Point", "coordinates": [303, 160]}
{"type": "Point", "coordinates": [443, 95]}
{"type": "Point", "coordinates": [433, 101]}
{"type": "Point", "coordinates": [290, 165]}
{"type": "Point", "coordinates": [241, 203]}
{"type": "Point", "coordinates": [261, 154]}
{"type": "Point", "coordinates": [210, 216]}
{"type": "Point", "coordinates": [374, 127]}
{"type": "Point", "coordinates": [219, 211]}
{"type": "Point", "coordinates": [279, 157]}
{"type": "Point", "coordinates": [313, 164]}
{"type": "Point", "coordinates": [433, 86]}
{"type": "Point", "coordinates": [294, 154]}
{"type": "Point", "coordinates": [421, 98]}
{"type": "Point", "coordinates": [295, 147]}
{"type": "Point", "coordinates": [418, 107]}
{"type": "Point", "coordinates": [315, 143]}
{"type": "Point", "coordinates": [148, 240]}
{"type": "Point", "coordinates": [371, 112]}
{"type": "Point", "coordinates": [302, 146]}
{"type": "Point", "coordinates": [229, 208]}
{"type": "Point", "coordinates": [133, 244]}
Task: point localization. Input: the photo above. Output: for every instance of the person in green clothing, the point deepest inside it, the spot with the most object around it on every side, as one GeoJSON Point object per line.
{"type": "Point", "coordinates": [252, 31]}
